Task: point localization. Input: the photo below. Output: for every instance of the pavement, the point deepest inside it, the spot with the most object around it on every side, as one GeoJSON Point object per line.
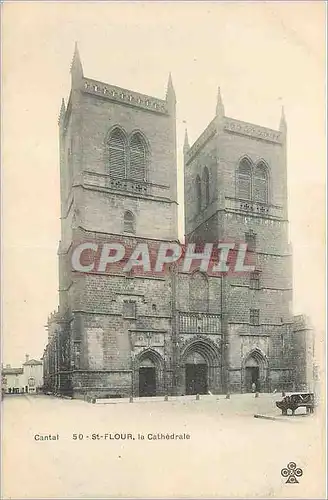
{"type": "Point", "coordinates": [180, 448]}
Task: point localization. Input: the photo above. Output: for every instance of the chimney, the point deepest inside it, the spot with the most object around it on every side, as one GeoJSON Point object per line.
{"type": "Point", "coordinates": [27, 357]}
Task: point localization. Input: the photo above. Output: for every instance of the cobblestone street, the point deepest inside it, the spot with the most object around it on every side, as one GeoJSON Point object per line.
{"type": "Point", "coordinates": [229, 452]}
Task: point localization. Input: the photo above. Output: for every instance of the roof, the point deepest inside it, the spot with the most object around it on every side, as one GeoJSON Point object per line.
{"type": "Point", "coordinates": [32, 362]}
{"type": "Point", "coordinates": [11, 371]}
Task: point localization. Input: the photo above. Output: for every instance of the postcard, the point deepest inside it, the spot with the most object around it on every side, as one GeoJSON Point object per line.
{"type": "Point", "coordinates": [163, 250]}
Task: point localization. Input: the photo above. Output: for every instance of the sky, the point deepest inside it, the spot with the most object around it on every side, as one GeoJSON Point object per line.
{"type": "Point", "coordinates": [261, 54]}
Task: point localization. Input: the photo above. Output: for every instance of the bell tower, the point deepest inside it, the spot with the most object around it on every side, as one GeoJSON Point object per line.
{"type": "Point", "coordinates": [118, 182]}
{"type": "Point", "coordinates": [236, 191]}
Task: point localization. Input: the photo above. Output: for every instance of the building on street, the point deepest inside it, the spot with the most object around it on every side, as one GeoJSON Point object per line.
{"type": "Point", "coordinates": [26, 379]}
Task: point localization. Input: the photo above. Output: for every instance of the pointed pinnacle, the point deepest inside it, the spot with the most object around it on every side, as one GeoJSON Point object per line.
{"type": "Point", "coordinates": [219, 104]}
{"type": "Point", "coordinates": [283, 122]}
{"type": "Point", "coordinates": [62, 111]}
{"type": "Point", "coordinates": [186, 146]}
{"type": "Point", "coordinates": [170, 92]}
{"type": "Point", "coordinates": [283, 116]}
{"type": "Point", "coordinates": [170, 83]}
{"type": "Point", "coordinates": [76, 62]}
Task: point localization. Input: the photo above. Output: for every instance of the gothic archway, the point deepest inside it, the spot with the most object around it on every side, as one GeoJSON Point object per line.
{"type": "Point", "coordinates": [200, 367]}
{"type": "Point", "coordinates": [255, 371]}
{"type": "Point", "coordinates": [148, 374]}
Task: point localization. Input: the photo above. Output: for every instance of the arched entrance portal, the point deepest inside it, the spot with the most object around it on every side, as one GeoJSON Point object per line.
{"type": "Point", "coordinates": [147, 378]}
{"type": "Point", "coordinates": [196, 374]}
{"type": "Point", "coordinates": [252, 374]}
{"type": "Point", "coordinates": [255, 371]}
{"type": "Point", "coordinates": [200, 368]}
{"type": "Point", "coordinates": [149, 374]}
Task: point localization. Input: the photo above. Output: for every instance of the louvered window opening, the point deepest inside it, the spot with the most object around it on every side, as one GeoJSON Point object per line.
{"type": "Point", "coordinates": [117, 156]}
{"type": "Point", "coordinates": [252, 184]}
{"type": "Point", "coordinates": [260, 185]}
{"type": "Point", "coordinates": [244, 181]}
{"type": "Point", "coordinates": [127, 162]}
{"type": "Point", "coordinates": [137, 169]}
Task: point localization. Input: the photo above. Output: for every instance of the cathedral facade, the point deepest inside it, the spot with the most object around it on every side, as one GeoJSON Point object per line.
{"type": "Point", "coordinates": [128, 334]}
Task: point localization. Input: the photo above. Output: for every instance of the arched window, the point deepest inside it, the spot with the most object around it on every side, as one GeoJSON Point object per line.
{"type": "Point", "coordinates": [206, 187]}
{"type": "Point", "coordinates": [198, 292]}
{"type": "Point", "coordinates": [260, 184]}
{"type": "Point", "coordinates": [244, 180]}
{"type": "Point", "coordinates": [198, 194]}
{"type": "Point", "coordinates": [117, 154]}
{"type": "Point", "coordinates": [137, 170]}
{"type": "Point", "coordinates": [129, 222]}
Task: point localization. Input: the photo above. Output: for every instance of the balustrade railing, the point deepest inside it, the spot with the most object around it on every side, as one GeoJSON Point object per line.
{"type": "Point", "coordinates": [253, 207]}
{"type": "Point", "coordinates": [126, 185]}
{"type": "Point", "coordinates": [194, 322]}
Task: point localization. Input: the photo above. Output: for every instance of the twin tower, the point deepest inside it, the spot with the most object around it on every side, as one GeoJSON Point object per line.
{"type": "Point", "coordinates": [118, 334]}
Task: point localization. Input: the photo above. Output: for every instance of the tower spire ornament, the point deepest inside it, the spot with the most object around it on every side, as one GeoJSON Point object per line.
{"type": "Point", "coordinates": [283, 122]}
{"type": "Point", "coordinates": [186, 145]}
{"type": "Point", "coordinates": [219, 104]}
{"type": "Point", "coordinates": [76, 66]}
{"type": "Point", "coordinates": [62, 111]}
{"type": "Point", "coordinates": [170, 92]}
